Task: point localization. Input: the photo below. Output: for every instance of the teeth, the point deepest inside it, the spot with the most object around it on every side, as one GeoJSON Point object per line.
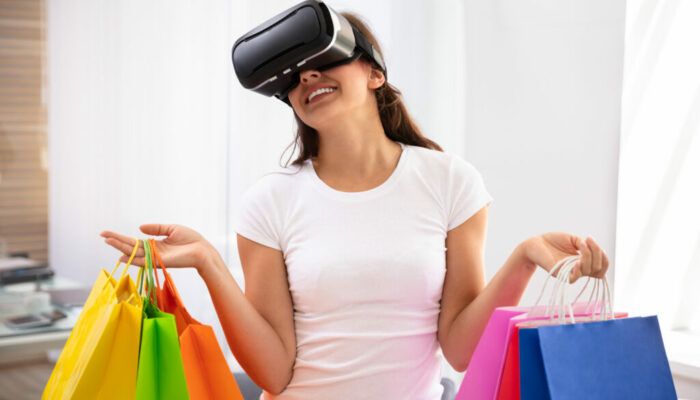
{"type": "Point", "coordinates": [319, 91]}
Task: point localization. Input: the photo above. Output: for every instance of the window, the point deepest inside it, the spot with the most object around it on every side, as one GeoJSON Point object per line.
{"type": "Point", "coordinates": [23, 161]}
{"type": "Point", "coordinates": [658, 239]}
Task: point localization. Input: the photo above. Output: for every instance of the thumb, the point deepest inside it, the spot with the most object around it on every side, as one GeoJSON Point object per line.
{"type": "Point", "coordinates": [156, 229]}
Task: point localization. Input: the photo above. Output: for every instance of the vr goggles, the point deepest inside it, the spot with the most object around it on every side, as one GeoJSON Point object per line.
{"type": "Point", "coordinates": [309, 35]}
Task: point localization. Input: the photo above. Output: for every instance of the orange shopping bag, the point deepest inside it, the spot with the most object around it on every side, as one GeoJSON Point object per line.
{"type": "Point", "coordinates": [206, 371]}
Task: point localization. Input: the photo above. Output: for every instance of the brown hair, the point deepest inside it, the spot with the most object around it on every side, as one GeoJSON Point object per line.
{"type": "Point", "coordinates": [398, 125]}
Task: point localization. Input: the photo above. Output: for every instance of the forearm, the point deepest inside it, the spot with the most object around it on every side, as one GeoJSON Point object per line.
{"type": "Point", "coordinates": [506, 288]}
{"type": "Point", "coordinates": [253, 341]}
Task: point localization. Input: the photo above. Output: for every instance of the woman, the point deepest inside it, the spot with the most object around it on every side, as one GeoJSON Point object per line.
{"type": "Point", "coordinates": [366, 259]}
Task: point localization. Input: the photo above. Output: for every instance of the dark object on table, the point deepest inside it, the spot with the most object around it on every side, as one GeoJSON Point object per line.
{"type": "Point", "coordinates": [17, 275]}
{"type": "Point", "coordinates": [28, 321]}
{"type": "Point", "coordinates": [54, 315]}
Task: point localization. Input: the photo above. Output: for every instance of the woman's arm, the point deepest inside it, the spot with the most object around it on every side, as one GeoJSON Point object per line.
{"type": "Point", "coordinates": [259, 325]}
{"type": "Point", "coordinates": [266, 355]}
{"type": "Point", "coordinates": [505, 289]}
{"type": "Point", "coordinates": [466, 304]}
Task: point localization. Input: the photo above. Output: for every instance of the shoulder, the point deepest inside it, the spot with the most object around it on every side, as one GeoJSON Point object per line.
{"type": "Point", "coordinates": [277, 183]}
{"type": "Point", "coordinates": [430, 160]}
{"type": "Point", "coordinates": [441, 164]}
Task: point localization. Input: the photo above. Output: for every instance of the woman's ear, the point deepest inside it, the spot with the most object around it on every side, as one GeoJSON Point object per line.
{"type": "Point", "coordinates": [376, 78]}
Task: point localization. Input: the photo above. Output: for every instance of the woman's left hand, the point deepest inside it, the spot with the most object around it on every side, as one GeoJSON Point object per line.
{"type": "Point", "coordinates": [548, 249]}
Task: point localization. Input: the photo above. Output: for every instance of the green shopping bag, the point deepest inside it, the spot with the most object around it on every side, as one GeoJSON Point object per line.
{"type": "Point", "coordinates": [161, 374]}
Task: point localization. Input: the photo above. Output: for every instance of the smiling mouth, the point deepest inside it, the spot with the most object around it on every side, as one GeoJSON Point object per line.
{"type": "Point", "coordinates": [321, 95]}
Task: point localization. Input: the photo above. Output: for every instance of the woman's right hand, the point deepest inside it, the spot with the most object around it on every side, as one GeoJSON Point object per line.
{"type": "Point", "coordinates": [183, 247]}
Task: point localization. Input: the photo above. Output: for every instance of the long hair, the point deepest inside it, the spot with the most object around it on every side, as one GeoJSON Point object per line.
{"type": "Point", "coordinates": [397, 123]}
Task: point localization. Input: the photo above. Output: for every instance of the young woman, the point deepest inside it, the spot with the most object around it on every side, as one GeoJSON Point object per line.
{"type": "Point", "coordinates": [364, 259]}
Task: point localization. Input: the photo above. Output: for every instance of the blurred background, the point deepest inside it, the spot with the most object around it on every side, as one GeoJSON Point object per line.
{"type": "Point", "coordinates": [581, 115]}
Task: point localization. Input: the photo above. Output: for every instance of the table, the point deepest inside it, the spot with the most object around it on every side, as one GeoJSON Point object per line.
{"type": "Point", "coordinates": [23, 344]}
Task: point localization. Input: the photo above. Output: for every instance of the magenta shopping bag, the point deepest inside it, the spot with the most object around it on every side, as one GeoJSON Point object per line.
{"type": "Point", "coordinates": [483, 373]}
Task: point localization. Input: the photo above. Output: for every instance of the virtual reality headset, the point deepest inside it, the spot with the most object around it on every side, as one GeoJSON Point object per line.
{"type": "Point", "coordinates": [309, 35]}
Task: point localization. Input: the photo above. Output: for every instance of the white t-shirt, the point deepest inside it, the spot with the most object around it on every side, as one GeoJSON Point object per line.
{"type": "Point", "coordinates": [365, 271]}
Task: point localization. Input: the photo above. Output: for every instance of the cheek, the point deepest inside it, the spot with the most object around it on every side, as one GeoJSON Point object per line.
{"type": "Point", "coordinates": [294, 95]}
{"type": "Point", "coordinates": [353, 95]}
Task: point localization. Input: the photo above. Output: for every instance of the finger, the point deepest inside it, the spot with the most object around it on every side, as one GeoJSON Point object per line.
{"type": "Point", "coordinates": [156, 229]}
{"type": "Point", "coordinates": [585, 258]}
{"type": "Point", "coordinates": [580, 244]}
{"type": "Point", "coordinates": [129, 241]}
{"type": "Point", "coordinates": [137, 261]}
{"type": "Point", "coordinates": [575, 274]}
{"type": "Point", "coordinates": [126, 249]}
{"type": "Point", "coordinates": [596, 257]}
{"type": "Point", "coordinates": [109, 234]}
{"type": "Point", "coordinates": [606, 264]}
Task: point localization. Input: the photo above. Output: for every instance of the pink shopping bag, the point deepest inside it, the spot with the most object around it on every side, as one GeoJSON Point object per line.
{"type": "Point", "coordinates": [483, 372]}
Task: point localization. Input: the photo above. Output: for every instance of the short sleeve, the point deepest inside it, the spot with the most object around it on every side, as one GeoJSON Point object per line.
{"type": "Point", "coordinates": [258, 217]}
{"type": "Point", "coordinates": [466, 192]}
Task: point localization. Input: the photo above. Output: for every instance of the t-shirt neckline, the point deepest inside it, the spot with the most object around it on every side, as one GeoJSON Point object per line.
{"type": "Point", "coordinates": [363, 195]}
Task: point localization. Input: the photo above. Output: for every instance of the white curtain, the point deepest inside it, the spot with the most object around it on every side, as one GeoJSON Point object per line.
{"type": "Point", "coordinates": [147, 122]}
{"type": "Point", "coordinates": [659, 219]}
{"type": "Point", "coordinates": [660, 223]}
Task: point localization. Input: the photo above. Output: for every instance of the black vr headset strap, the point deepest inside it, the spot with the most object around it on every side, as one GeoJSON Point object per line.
{"type": "Point", "coordinates": [366, 46]}
{"type": "Point", "coordinates": [361, 45]}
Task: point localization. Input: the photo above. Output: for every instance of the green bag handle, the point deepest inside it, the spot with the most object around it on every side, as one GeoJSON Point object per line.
{"type": "Point", "coordinates": [148, 273]}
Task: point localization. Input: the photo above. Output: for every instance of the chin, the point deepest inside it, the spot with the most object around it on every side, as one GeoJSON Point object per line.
{"type": "Point", "coordinates": [322, 115]}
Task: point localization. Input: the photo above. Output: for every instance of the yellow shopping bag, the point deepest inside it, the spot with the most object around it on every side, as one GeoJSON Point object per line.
{"type": "Point", "coordinates": [100, 358]}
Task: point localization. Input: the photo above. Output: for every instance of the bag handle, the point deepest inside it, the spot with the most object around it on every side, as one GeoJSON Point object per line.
{"type": "Point", "coordinates": [133, 253]}
{"type": "Point", "coordinates": [157, 261]}
{"type": "Point", "coordinates": [147, 270]}
{"type": "Point", "coordinates": [564, 268]}
{"type": "Point", "coordinates": [168, 281]}
{"type": "Point", "coordinates": [601, 289]}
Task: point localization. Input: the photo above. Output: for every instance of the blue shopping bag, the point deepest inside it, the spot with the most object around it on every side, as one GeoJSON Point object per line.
{"type": "Point", "coordinates": [533, 381]}
{"type": "Point", "coordinates": [610, 359]}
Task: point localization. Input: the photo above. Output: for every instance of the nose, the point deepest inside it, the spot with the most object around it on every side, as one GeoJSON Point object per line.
{"type": "Point", "coordinates": [308, 75]}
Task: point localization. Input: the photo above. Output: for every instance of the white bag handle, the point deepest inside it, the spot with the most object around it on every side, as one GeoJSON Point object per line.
{"type": "Point", "coordinates": [558, 297]}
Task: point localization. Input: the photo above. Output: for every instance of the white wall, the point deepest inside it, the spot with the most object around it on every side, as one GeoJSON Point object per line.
{"type": "Point", "coordinates": [138, 112]}
{"type": "Point", "coordinates": [543, 83]}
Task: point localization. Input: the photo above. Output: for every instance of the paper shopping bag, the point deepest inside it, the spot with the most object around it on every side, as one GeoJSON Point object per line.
{"type": "Point", "coordinates": [100, 357]}
{"type": "Point", "coordinates": [206, 370]}
{"type": "Point", "coordinates": [161, 375]}
{"type": "Point", "coordinates": [482, 375]}
{"type": "Point", "coordinates": [611, 359]}
{"type": "Point", "coordinates": [509, 387]}
{"type": "Point", "coordinates": [533, 382]}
